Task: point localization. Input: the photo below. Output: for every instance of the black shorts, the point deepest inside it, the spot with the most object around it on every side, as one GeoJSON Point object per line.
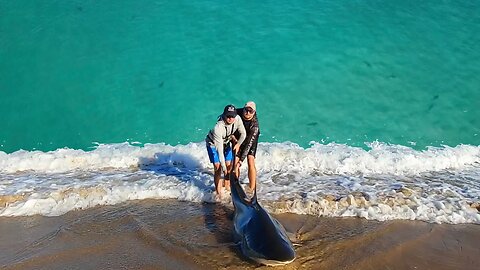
{"type": "Point", "coordinates": [253, 149]}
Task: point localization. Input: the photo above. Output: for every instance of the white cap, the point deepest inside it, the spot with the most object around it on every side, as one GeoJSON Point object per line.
{"type": "Point", "coordinates": [251, 104]}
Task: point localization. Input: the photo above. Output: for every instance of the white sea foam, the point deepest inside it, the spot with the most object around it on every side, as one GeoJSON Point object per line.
{"type": "Point", "coordinates": [330, 158]}
{"type": "Point", "coordinates": [383, 182]}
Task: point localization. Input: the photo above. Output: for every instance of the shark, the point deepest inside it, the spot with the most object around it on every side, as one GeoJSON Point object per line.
{"type": "Point", "coordinates": [261, 237]}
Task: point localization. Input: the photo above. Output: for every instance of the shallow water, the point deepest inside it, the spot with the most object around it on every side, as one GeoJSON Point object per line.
{"type": "Point", "coordinates": [383, 183]}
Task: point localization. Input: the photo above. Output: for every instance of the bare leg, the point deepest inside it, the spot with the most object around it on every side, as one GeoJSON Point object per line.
{"type": "Point", "coordinates": [252, 172]}
{"type": "Point", "coordinates": [217, 177]}
{"type": "Point", "coordinates": [226, 182]}
{"type": "Point", "coordinates": [237, 171]}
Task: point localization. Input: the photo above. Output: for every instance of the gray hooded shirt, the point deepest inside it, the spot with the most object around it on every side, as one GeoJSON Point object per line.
{"type": "Point", "coordinates": [219, 136]}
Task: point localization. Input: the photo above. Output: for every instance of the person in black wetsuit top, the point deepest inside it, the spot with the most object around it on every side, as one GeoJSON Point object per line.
{"type": "Point", "coordinates": [248, 148]}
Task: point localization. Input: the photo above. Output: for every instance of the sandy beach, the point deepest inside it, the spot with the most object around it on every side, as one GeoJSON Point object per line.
{"type": "Point", "coordinates": [167, 234]}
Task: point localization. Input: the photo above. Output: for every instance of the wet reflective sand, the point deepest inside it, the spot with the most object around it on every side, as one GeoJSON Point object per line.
{"type": "Point", "coordinates": [167, 234]}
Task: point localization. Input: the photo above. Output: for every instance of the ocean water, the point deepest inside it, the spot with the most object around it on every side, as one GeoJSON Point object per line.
{"type": "Point", "coordinates": [366, 108]}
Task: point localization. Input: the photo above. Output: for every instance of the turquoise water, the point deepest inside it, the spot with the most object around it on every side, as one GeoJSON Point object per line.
{"type": "Point", "coordinates": [73, 73]}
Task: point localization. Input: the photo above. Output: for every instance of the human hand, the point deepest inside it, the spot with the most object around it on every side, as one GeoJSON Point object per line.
{"type": "Point", "coordinates": [236, 148]}
{"type": "Point", "coordinates": [233, 139]}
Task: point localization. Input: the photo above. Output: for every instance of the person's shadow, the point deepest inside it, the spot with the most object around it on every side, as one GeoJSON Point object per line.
{"type": "Point", "coordinates": [218, 217]}
{"type": "Point", "coordinates": [184, 167]}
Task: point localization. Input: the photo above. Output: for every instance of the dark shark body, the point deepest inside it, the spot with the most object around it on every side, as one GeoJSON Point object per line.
{"type": "Point", "coordinates": [261, 237]}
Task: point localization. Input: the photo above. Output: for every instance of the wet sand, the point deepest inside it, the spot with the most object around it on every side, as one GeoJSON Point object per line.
{"type": "Point", "coordinates": [167, 234]}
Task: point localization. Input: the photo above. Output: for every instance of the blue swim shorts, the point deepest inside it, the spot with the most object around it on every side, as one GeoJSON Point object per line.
{"type": "Point", "coordinates": [213, 153]}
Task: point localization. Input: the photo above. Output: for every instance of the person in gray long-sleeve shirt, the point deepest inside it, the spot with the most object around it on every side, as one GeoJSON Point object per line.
{"type": "Point", "coordinates": [219, 143]}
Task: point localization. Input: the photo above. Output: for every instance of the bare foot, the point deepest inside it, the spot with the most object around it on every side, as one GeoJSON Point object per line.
{"type": "Point", "coordinates": [219, 192]}
{"type": "Point", "coordinates": [227, 185]}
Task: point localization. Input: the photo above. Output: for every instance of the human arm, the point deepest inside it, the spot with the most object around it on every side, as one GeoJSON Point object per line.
{"type": "Point", "coordinates": [241, 130]}
{"type": "Point", "coordinates": [252, 137]}
{"type": "Point", "coordinates": [218, 139]}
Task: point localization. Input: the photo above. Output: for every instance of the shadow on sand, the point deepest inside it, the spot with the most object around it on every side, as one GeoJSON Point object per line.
{"type": "Point", "coordinates": [218, 217]}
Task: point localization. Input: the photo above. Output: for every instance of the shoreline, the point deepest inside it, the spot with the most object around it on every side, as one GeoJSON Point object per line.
{"type": "Point", "coordinates": [169, 234]}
